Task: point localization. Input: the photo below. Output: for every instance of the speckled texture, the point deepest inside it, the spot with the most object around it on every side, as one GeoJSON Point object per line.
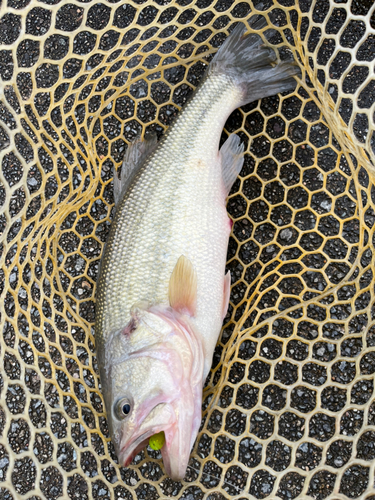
{"type": "Point", "coordinates": [181, 182]}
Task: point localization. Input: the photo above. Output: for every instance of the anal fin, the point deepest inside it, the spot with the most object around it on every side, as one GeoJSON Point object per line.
{"type": "Point", "coordinates": [226, 295]}
{"type": "Point", "coordinates": [134, 158]}
{"type": "Point", "coordinates": [231, 154]}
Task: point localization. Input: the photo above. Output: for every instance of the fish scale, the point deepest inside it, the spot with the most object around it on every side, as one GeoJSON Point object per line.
{"type": "Point", "coordinates": [177, 198]}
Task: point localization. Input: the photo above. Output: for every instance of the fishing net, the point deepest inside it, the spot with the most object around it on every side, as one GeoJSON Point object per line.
{"type": "Point", "coordinates": [289, 407]}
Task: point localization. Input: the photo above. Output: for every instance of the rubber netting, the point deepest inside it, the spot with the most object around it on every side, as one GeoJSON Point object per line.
{"type": "Point", "coordinates": [289, 409]}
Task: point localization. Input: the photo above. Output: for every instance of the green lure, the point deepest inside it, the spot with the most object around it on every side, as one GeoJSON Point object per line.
{"type": "Point", "coordinates": [157, 440]}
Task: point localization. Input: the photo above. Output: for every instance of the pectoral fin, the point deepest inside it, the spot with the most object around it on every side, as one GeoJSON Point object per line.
{"type": "Point", "coordinates": [227, 283]}
{"type": "Point", "coordinates": [183, 287]}
{"type": "Point", "coordinates": [134, 158]}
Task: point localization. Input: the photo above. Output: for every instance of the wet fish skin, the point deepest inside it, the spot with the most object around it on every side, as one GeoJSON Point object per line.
{"type": "Point", "coordinates": [162, 292]}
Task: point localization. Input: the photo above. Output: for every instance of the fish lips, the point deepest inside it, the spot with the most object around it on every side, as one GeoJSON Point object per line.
{"type": "Point", "coordinates": [175, 455]}
{"type": "Point", "coordinates": [180, 438]}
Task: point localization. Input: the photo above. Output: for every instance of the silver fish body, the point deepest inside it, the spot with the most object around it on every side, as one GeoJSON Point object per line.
{"type": "Point", "coordinates": [175, 206]}
{"type": "Point", "coordinates": [155, 351]}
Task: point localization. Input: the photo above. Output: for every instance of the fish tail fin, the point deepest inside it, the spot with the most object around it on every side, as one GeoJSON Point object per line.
{"type": "Point", "coordinates": [252, 65]}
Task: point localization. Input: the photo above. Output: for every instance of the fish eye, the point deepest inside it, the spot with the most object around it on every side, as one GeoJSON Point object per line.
{"type": "Point", "coordinates": [125, 409]}
{"type": "Point", "coordinates": [122, 408]}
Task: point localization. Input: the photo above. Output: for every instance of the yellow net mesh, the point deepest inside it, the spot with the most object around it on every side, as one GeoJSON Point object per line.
{"type": "Point", "coordinates": [288, 408]}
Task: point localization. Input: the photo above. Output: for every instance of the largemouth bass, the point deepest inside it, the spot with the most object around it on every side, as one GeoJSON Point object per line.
{"type": "Point", "coordinates": [162, 291]}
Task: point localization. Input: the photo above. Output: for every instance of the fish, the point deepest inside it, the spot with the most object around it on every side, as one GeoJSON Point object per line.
{"type": "Point", "coordinates": [162, 291]}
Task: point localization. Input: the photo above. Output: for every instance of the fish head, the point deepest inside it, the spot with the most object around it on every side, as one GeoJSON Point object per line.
{"type": "Point", "coordinates": [153, 382]}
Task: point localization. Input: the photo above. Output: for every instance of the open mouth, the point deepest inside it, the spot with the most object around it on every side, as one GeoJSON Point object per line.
{"type": "Point", "coordinates": [159, 419]}
{"type": "Point", "coordinates": [133, 446]}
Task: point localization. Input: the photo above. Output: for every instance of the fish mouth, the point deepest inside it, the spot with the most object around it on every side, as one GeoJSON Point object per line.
{"type": "Point", "coordinates": [160, 419]}
{"type": "Point", "coordinates": [180, 429]}
{"type": "Point", "coordinates": [179, 432]}
{"type": "Point", "coordinates": [130, 450]}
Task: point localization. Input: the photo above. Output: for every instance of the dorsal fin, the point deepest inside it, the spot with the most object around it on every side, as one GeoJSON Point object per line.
{"type": "Point", "coordinates": [183, 287]}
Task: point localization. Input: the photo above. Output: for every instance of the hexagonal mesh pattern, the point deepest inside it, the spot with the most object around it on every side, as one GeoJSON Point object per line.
{"type": "Point", "coordinates": [288, 408]}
